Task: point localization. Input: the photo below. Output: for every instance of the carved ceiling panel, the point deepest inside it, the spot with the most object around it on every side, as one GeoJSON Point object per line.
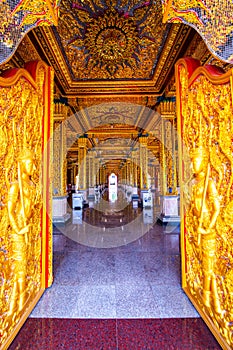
{"type": "Point", "coordinates": [111, 39]}
{"type": "Point", "coordinates": [113, 60]}
{"type": "Point", "coordinates": [114, 113]}
{"type": "Point", "coordinates": [111, 48]}
{"type": "Point", "coordinates": [110, 143]}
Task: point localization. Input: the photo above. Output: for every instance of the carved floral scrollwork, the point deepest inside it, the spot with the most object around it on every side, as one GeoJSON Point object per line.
{"type": "Point", "coordinates": [110, 39]}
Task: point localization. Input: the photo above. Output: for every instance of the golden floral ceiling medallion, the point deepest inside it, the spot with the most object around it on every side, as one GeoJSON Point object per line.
{"type": "Point", "coordinates": [112, 41]}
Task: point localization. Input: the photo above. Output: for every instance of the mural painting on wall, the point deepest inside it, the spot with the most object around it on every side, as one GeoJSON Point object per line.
{"type": "Point", "coordinates": [205, 122]}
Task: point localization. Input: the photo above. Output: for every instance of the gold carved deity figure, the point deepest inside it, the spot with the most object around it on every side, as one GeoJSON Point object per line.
{"type": "Point", "coordinates": [20, 210]}
{"type": "Point", "coordinates": [205, 208]}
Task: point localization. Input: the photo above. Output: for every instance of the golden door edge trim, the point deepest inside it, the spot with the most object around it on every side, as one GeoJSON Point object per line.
{"type": "Point", "coordinates": [22, 320]}
{"type": "Point", "coordinates": [7, 82]}
{"type": "Point", "coordinates": [216, 76]}
{"type": "Point", "coordinates": [208, 321]}
{"type": "Point", "coordinates": [21, 73]}
{"type": "Point", "coordinates": [47, 237]}
{"type": "Point", "coordinates": [221, 78]}
{"type": "Point", "coordinates": [180, 152]}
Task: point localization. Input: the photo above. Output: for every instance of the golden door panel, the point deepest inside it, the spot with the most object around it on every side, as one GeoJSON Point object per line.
{"type": "Point", "coordinates": [205, 115]}
{"type": "Point", "coordinates": [25, 250]}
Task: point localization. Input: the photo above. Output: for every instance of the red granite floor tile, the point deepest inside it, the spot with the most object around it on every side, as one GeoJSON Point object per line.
{"type": "Point", "coordinates": [110, 334]}
{"type": "Point", "coordinates": [164, 334]}
{"type": "Point", "coordinates": [72, 334]}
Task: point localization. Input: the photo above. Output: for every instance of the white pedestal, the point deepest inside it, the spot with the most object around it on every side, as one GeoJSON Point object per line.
{"type": "Point", "coordinates": [135, 199]}
{"type": "Point", "coordinates": [170, 209]}
{"type": "Point", "coordinates": [77, 217]}
{"type": "Point", "coordinates": [84, 194]}
{"type": "Point", "coordinates": [77, 201]}
{"type": "Point", "coordinates": [135, 190]}
{"type": "Point", "coordinates": [147, 200]}
{"type": "Point", "coordinates": [91, 191]}
{"type": "Point", "coordinates": [97, 195]}
{"type": "Point", "coordinates": [60, 214]}
{"type": "Point", "coordinates": [129, 193]}
{"type": "Point", "coordinates": [148, 217]}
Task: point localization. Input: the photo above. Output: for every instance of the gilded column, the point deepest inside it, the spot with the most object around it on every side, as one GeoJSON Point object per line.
{"type": "Point", "coordinates": [74, 173]}
{"type": "Point", "coordinates": [163, 170]}
{"type": "Point", "coordinates": [104, 174]}
{"type": "Point", "coordinates": [71, 174]}
{"type": "Point", "coordinates": [151, 172]}
{"type": "Point", "coordinates": [82, 163]}
{"type": "Point", "coordinates": [134, 172]}
{"type": "Point", "coordinates": [169, 205]}
{"type": "Point", "coordinates": [143, 158]}
{"type": "Point", "coordinates": [128, 172]}
{"type": "Point", "coordinates": [131, 182]}
{"type": "Point", "coordinates": [175, 155]}
{"type": "Point", "coordinates": [59, 150]}
{"type": "Point", "coordinates": [120, 176]}
{"type": "Point", "coordinates": [95, 170]}
{"type": "Point", "coordinates": [125, 173]}
{"type": "Point", "coordinates": [135, 168]}
{"type": "Point", "coordinates": [60, 164]}
{"type": "Point", "coordinates": [92, 172]}
{"type": "Point", "coordinates": [91, 177]}
{"type": "Point", "coordinates": [169, 153]}
{"type": "Point", "coordinates": [100, 174]}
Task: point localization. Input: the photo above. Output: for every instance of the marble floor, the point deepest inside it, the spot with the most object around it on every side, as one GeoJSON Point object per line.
{"type": "Point", "coordinates": [117, 286]}
{"type": "Point", "coordinates": [112, 268]}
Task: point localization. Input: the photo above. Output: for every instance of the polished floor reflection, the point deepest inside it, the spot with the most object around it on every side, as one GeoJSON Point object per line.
{"type": "Point", "coordinates": [110, 265]}
{"type": "Point", "coordinates": [115, 334]}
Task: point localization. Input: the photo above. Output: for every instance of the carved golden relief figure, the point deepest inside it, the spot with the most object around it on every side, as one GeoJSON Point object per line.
{"type": "Point", "coordinates": [21, 113]}
{"type": "Point", "coordinates": [205, 210]}
{"type": "Point", "coordinates": [207, 178]}
{"type": "Point", "coordinates": [20, 211]}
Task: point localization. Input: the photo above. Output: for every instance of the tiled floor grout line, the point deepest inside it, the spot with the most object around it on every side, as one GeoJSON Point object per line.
{"type": "Point", "coordinates": [117, 340]}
